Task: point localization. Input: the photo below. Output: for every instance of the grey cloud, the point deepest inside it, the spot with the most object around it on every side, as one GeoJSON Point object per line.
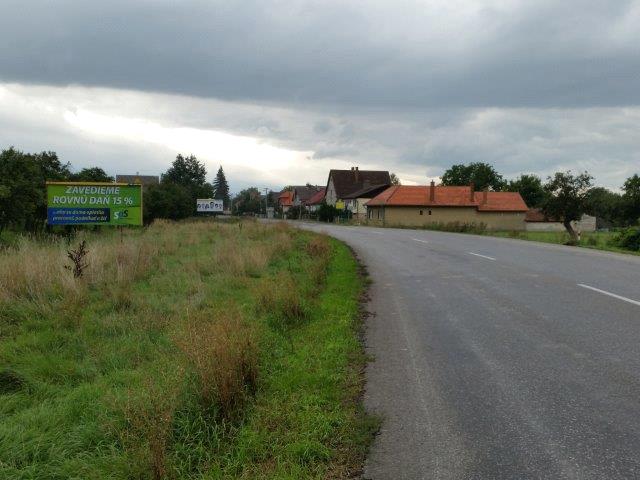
{"type": "Point", "coordinates": [402, 55]}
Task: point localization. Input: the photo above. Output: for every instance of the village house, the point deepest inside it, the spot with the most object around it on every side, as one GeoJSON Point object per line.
{"type": "Point", "coordinates": [313, 203]}
{"type": "Point", "coordinates": [303, 193]}
{"type": "Point", "coordinates": [356, 201]}
{"type": "Point", "coordinates": [342, 183]}
{"type": "Point", "coordinates": [416, 206]}
{"type": "Point", "coordinates": [285, 200]}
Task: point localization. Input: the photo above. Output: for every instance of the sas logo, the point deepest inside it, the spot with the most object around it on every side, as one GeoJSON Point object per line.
{"type": "Point", "coordinates": [122, 214]}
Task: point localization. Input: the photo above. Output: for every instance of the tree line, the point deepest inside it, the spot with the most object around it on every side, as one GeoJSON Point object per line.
{"type": "Point", "coordinates": [23, 196]}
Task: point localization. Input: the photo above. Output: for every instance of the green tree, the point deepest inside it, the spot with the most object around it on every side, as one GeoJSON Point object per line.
{"type": "Point", "coordinates": [566, 199]}
{"type": "Point", "coordinates": [530, 189]}
{"type": "Point", "coordinates": [186, 171]}
{"type": "Point", "coordinates": [394, 179]}
{"type": "Point", "coordinates": [91, 174]}
{"type": "Point", "coordinates": [221, 187]}
{"type": "Point", "coordinates": [21, 189]}
{"type": "Point", "coordinates": [631, 197]}
{"type": "Point", "coordinates": [605, 205]}
{"type": "Point", "coordinates": [248, 200]}
{"type": "Point", "coordinates": [167, 200]}
{"type": "Point", "coordinates": [481, 174]}
{"type": "Point", "coordinates": [190, 173]}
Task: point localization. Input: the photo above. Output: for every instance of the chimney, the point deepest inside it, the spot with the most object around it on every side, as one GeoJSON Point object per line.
{"type": "Point", "coordinates": [485, 194]}
{"type": "Point", "coordinates": [472, 189]}
{"type": "Point", "coordinates": [432, 192]}
{"type": "Point", "coordinates": [356, 173]}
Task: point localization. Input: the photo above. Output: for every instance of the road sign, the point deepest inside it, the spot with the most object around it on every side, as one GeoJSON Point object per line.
{"type": "Point", "coordinates": [82, 203]}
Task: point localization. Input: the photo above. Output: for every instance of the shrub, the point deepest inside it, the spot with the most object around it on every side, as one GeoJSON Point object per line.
{"type": "Point", "coordinates": [629, 238]}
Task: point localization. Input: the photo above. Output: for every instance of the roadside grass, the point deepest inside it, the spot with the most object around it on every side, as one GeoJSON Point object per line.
{"type": "Point", "coordinates": [181, 354]}
{"type": "Point", "coordinates": [595, 240]}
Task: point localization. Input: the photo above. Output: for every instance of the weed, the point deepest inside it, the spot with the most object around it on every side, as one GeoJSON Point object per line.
{"type": "Point", "coordinates": [78, 259]}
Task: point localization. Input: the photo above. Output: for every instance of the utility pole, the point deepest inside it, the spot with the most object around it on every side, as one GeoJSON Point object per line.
{"type": "Point", "coordinates": [266, 201]}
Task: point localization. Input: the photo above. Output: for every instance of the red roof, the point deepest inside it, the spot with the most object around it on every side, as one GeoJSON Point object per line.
{"type": "Point", "coordinates": [285, 199]}
{"type": "Point", "coordinates": [419, 196]}
{"type": "Point", "coordinates": [317, 198]}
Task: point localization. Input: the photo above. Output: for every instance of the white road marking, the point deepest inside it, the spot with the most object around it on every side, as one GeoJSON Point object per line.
{"type": "Point", "coordinates": [379, 233]}
{"type": "Point", "coordinates": [604, 292]}
{"type": "Point", "coordinates": [418, 240]}
{"type": "Point", "coordinates": [483, 256]}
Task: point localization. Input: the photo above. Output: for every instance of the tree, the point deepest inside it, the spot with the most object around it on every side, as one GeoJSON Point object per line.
{"type": "Point", "coordinates": [567, 199]}
{"type": "Point", "coordinates": [167, 200]}
{"type": "Point", "coordinates": [530, 188]}
{"type": "Point", "coordinates": [631, 196]}
{"type": "Point", "coordinates": [248, 201]}
{"type": "Point", "coordinates": [605, 205]}
{"type": "Point", "coordinates": [481, 174]}
{"type": "Point", "coordinates": [394, 179]}
{"type": "Point", "coordinates": [190, 173]}
{"type": "Point", "coordinates": [92, 174]}
{"type": "Point", "coordinates": [21, 188]}
{"type": "Point", "coordinates": [221, 187]}
{"type": "Point", "coordinates": [186, 171]}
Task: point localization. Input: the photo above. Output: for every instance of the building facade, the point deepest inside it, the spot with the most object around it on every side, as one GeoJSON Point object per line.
{"type": "Point", "coordinates": [421, 206]}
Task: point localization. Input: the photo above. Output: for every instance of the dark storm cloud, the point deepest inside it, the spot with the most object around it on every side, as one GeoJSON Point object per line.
{"type": "Point", "coordinates": [401, 55]}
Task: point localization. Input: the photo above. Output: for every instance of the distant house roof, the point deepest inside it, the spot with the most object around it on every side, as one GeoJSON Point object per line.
{"type": "Point", "coordinates": [138, 179]}
{"type": "Point", "coordinates": [420, 196]}
{"type": "Point", "coordinates": [305, 192]}
{"type": "Point", "coordinates": [285, 199]}
{"type": "Point", "coordinates": [317, 198]}
{"type": "Point", "coordinates": [346, 182]}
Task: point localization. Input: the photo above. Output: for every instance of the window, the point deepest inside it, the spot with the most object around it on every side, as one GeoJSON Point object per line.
{"type": "Point", "coordinates": [421, 212]}
{"type": "Point", "coordinates": [429, 212]}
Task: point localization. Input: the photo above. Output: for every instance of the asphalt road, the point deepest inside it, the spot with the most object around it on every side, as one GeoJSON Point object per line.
{"type": "Point", "coordinates": [498, 358]}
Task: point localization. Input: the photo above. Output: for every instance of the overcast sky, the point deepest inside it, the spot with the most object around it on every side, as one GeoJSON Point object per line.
{"type": "Point", "coordinates": [279, 92]}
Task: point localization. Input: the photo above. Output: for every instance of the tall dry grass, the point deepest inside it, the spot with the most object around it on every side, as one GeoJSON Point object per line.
{"type": "Point", "coordinates": [221, 349]}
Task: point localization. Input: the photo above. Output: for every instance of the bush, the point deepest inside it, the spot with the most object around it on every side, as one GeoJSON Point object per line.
{"type": "Point", "coordinates": [326, 213]}
{"type": "Point", "coordinates": [629, 238]}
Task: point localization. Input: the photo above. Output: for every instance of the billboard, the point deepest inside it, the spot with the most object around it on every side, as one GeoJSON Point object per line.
{"type": "Point", "coordinates": [209, 205]}
{"type": "Point", "coordinates": [91, 203]}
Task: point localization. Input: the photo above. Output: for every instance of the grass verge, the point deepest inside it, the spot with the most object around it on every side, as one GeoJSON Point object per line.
{"type": "Point", "coordinates": [190, 350]}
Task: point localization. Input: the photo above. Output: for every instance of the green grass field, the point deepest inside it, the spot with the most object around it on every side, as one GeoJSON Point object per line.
{"type": "Point", "coordinates": [191, 350]}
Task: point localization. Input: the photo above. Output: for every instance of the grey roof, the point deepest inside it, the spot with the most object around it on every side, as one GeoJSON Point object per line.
{"type": "Point", "coordinates": [305, 192]}
{"type": "Point", "coordinates": [141, 179]}
{"type": "Point", "coordinates": [346, 182]}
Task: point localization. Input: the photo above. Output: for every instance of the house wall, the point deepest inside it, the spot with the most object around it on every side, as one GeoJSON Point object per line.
{"type": "Point", "coordinates": [411, 217]}
{"type": "Point", "coordinates": [330, 195]}
{"type": "Point", "coordinates": [357, 207]}
{"type": "Point", "coordinates": [586, 224]}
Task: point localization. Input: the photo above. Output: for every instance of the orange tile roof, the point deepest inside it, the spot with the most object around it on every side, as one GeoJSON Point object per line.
{"type": "Point", "coordinates": [419, 196]}
{"type": "Point", "coordinates": [285, 198]}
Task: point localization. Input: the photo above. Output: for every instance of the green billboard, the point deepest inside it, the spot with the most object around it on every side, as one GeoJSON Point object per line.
{"type": "Point", "coordinates": [81, 203]}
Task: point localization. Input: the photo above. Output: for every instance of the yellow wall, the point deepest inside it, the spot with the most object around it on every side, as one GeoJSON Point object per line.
{"type": "Point", "coordinates": [410, 217]}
